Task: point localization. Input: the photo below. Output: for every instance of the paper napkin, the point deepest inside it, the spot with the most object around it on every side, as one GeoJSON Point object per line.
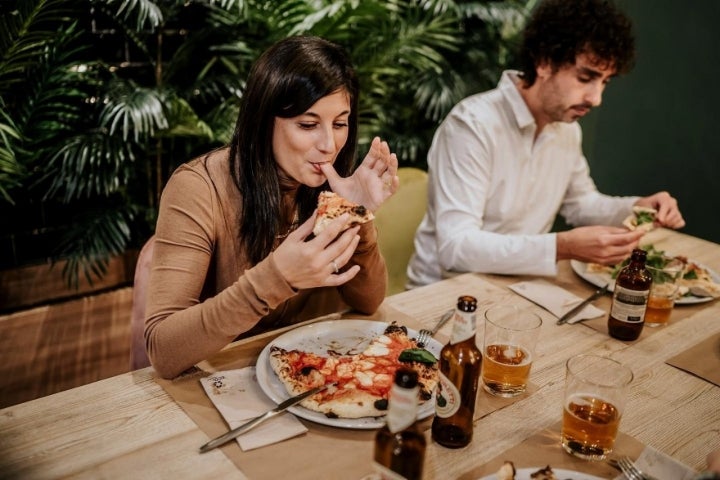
{"type": "Point", "coordinates": [655, 463]}
{"type": "Point", "coordinates": [554, 299]}
{"type": "Point", "coordinates": [238, 397]}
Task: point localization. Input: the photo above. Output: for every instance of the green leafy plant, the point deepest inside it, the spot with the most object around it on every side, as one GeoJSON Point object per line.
{"type": "Point", "coordinates": [102, 99]}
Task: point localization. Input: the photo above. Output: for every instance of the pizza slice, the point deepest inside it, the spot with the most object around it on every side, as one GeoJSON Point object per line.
{"type": "Point", "coordinates": [698, 281]}
{"type": "Point", "coordinates": [642, 218]}
{"type": "Point", "coordinates": [363, 381]}
{"type": "Point", "coordinates": [331, 205]}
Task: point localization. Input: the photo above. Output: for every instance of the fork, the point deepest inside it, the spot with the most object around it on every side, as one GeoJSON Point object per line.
{"type": "Point", "coordinates": [631, 471]}
{"type": "Point", "coordinates": [424, 334]}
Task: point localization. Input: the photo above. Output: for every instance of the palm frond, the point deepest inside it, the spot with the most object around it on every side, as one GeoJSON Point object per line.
{"type": "Point", "coordinates": [133, 110]}
{"type": "Point", "coordinates": [10, 170]}
{"type": "Point", "coordinates": [25, 35]}
{"type": "Point", "coordinates": [241, 6]}
{"type": "Point", "coordinates": [89, 165]}
{"type": "Point", "coordinates": [143, 12]}
{"type": "Point", "coordinates": [93, 237]}
{"type": "Point", "coordinates": [222, 120]}
{"type": "Point", "coordinates": [183, 121]}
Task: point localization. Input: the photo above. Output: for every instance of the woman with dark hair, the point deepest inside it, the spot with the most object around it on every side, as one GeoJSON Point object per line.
{"type": "Point", "coordinates": [234, 255]}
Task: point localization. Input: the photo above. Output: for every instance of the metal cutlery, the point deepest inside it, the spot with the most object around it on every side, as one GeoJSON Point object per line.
{"type": "Point", "coordinates": [628, 468]}
{"type": "Point", "coordinates": [597, 294]}
{"type": "Point", "coordinates": [235, 432]}
{"type": "Point", "coordinates": [424, 334]}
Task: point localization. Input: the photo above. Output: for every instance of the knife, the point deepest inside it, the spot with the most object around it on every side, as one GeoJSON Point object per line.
{"type": "Point", "coordinates": [235, 432]}
{"type": "Point", "coordinates": [581, 305]}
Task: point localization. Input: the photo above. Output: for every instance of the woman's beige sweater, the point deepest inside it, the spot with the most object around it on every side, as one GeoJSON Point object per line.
{"type": "Point", "coordinates": [204, 293]}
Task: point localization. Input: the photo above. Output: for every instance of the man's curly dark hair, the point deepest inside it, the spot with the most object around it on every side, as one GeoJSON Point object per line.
{"type": "Point", "coordinates": [559, 30]}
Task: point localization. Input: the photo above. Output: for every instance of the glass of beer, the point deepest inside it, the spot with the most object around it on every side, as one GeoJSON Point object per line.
{"type": "Point", "coordinates": [595, 392]}
{"type": "Point", "coordinates": [663, 292]}
{"type": "Point", "coordinates": [508, 348]}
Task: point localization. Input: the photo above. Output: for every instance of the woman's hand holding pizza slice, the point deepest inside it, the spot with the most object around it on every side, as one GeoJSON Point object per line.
{"type": "Point", "coordinates": [318, 262]}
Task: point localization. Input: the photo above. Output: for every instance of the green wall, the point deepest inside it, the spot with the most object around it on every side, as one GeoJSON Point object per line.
{"type": "Point", "coordinates": [658, 126]}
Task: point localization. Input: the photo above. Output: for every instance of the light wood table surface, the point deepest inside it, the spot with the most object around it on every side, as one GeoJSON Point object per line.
{"type": "Point", "coordinates": [128, 426]}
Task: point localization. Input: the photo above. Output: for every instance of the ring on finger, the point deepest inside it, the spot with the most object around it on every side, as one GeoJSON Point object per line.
{"type": "Point", "coordinates": [334, 266]}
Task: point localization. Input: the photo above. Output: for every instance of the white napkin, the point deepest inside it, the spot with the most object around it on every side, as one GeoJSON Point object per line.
{"type": "Point", "coordinates": [238, 397]}
{"type": "Point", "coordinates": [655, 463]}
{"type": "Point", "coordinates": [554, 299]}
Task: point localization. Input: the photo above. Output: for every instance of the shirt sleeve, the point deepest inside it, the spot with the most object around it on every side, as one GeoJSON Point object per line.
{"type": "Point", "coordinates": [583, 203]}
{"type": "Point", "coordinates": [461, 165]}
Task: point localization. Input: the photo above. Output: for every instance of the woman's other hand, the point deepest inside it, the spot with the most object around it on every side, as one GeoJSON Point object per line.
{"type": "Point", "coordinates": [318, 262]}
{"type": "Point", "coordinates": [373, 182]}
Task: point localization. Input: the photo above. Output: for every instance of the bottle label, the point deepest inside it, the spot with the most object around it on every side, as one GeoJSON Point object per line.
{"type": "Point", "coordinates": [384, 473]}
{"type": "Point", "coordinates": [447, 397]}
{"type": "Point", "coordinates": [403, 408]}
{"type": "Point", "coordinates": [629, 305]}
{"type": "Point", "coordinates": [463, 326]}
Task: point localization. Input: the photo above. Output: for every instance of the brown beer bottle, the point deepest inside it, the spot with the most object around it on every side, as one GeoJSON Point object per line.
{"type": "Point", "coordinates": [399, 444]}
{"type": "Point", "coordinates": [630, 297]}
{"type": "Point", "coordinates": [460, 362]}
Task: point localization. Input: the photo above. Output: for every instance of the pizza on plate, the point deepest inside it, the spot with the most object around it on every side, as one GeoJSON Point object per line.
{"type": "Point", "coordinates": [641, 218]}
{"type": "Point", "coordinates": [331, 205]}
{"type": "Point", "coordinates": [362, 381]}
{"type": "Point", "coordinates": [695, 279]}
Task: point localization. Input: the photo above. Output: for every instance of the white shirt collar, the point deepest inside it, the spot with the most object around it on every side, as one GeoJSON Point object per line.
{"type": "Point", "coordinates": [508, 85]}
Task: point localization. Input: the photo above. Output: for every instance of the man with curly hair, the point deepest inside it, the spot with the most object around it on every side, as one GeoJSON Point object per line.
{"type": "Point", "coordinates": [505, 162]}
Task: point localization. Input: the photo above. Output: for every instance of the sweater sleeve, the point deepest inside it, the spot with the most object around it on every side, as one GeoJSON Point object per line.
{"type": "Point", "coordinates": [182, 329]}
{"type": "Point", "coordinates": [366, 291]}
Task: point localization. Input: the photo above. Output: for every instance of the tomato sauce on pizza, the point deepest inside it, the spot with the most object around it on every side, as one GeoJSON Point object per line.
{"type": "Point", "coordinates": [363, 381]}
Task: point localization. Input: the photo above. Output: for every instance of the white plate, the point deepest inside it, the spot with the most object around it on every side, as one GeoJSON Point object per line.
{"type": "Point", "coordinates": [344, 336]}
{"type": "Point", "coordinates": [524, 474]}
{"type": "Point", "coordinates": [600, 279]}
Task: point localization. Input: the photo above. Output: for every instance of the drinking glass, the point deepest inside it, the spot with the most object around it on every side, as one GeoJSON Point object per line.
{"type": "Point", "coordinates": [595, 393]}
{"type": "Point", "coordinates": [663, 292]}
{"type": "Point", "coordinates": [509, 345]}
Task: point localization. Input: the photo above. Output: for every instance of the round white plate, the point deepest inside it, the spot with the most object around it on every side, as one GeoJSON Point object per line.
{"type": "Point", "coordinates": [524, 474]}
{"type": "Point", "coordinates": [342, 336]}
{"type": "Point", "coordinates": [600, 279]}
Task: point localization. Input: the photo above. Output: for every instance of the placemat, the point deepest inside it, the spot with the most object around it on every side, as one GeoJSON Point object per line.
{"type": "Point", "coordinates": [701, 360]}
{"type": "Point", "coordinates": [352, 450]}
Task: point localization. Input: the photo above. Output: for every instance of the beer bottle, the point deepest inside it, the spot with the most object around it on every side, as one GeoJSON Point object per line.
{"type": "Point", "coordinates": [459, 376]}
{"type": "Point", "coordinates": [399, 444]}
{"type": "Point", "coordinates": [632, 288]}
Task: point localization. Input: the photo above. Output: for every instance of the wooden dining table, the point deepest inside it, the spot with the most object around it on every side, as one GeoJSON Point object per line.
{"type": "Point", "coordinates": [132, 426]}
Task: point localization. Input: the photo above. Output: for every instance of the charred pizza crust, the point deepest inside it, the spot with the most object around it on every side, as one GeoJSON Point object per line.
{"type": "Point", "coordinates": [544, 474]}
{"type": "Point", "coordinates": [363, 380]}
{"type": "Point", "coordinates": [332, 205]}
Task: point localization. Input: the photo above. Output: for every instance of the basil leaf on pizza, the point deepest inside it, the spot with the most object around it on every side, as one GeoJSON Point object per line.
{"type": "Point", "coordinates": [417, 355]}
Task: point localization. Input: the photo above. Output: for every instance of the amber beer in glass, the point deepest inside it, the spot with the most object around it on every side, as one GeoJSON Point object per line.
{"type": "Point", "coordinates": [509, 344]}
{"type": "Point", "coordinates": [459, 376]}
{"type": "Point", "coordinates": [663, 291]}
{"type": "Point", "coordinates": [595, 392]}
